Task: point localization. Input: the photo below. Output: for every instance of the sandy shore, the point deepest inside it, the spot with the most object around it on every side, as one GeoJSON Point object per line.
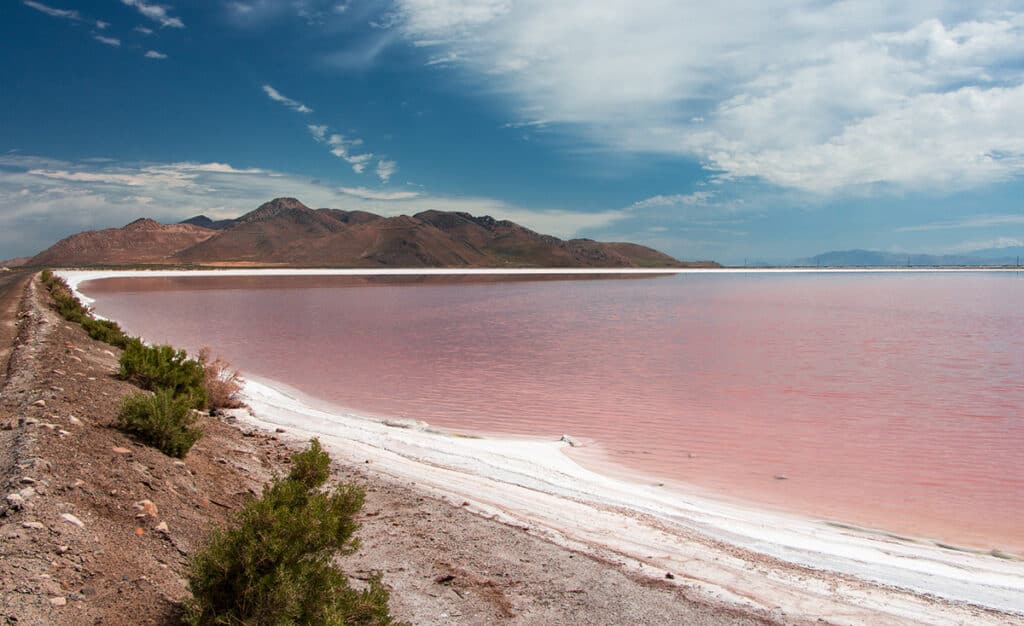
{"type": "Point", "coordinates": [717, 553]}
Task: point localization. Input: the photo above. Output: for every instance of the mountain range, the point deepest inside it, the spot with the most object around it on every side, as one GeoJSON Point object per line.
{"type": "Point", "coordinates": [875, 258]}
{"type": "Point", "coordinates": [285, 232]}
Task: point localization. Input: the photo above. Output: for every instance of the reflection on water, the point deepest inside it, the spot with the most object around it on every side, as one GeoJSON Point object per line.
{"type": "Point", "coordinates": [891, 400]}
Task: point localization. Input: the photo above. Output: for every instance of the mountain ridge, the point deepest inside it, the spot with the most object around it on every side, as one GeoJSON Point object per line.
{"type": "Point", "coordinates": [285, 232]}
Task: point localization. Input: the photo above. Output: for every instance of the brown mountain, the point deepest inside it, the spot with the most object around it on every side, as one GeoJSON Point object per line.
{"type": "Point", "coordinates": [144, 241]}
{"type": "Point", "coordinates": [286, 232]}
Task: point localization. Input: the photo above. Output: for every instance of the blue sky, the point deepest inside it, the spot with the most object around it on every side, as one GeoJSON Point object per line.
{"type": "Point", "coordinates": [761, 130]}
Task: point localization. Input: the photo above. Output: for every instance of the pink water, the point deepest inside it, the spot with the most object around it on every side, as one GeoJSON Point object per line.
{"type": "Point", "coordinates": [889, 400]}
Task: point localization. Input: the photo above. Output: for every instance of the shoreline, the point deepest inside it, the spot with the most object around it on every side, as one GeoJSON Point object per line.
{"type": "Point", "coordinates": [754, 558]}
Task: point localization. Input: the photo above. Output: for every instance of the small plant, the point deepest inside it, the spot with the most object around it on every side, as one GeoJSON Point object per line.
{"type": "Point", "coordinates": [162, 420]}
{"type": "Point", "coordinates": [273, 565]}
{"type": "Point", "coordinates": [222, 382]}
{"type": "Point", "coordinates": [163, 367]}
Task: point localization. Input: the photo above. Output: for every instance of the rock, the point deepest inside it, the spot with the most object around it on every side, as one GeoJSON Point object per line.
{"type": "Point", "coordinates": [39, 403]}
{"type": "Point", "coordinates": [148, 507]}
{"type": "Point", "coordinates": [58, 601]}
{"type": "Point", "coordinates": [781, 477]}
{"type": "Point", "coordinates": [25, 480]}
{"type": "Point", "coordinates": [179, 464]}
{"type": "Point", "coordinates": [27, 492]}
{"type": "Point", "coordinates": [15, 501]}
{"type": "Point", "coordinates": [71, 519]}
{"type": "Point", "coordinates": [569, 440]}
{"type": "Point", "coordinates": [162, 528]}
{"type": "Point", "coordinates": [74, 420]}
{"type": "Point", "coordinates": [279, 430]}
{"type": "Point", "coordinates": [120, 450]}
{"type": "Point", "coordinates": [75, 358]}
{"type": "Point", "coordinates": [33, 525]}
{"type": "Point", "coordinates": [669, 576]}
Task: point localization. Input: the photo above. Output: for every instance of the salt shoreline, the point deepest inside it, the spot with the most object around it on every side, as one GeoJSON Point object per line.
{"type": "Point", "coordinates": [731, 553]}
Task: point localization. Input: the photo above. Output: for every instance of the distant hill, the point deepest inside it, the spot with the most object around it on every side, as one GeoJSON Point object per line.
{"type": "Point", "coordinates": [286, 232]}
{"type": "Point", "coordinates": [144, 241]}
{"type": "Point", "coordinates": [875, 258]}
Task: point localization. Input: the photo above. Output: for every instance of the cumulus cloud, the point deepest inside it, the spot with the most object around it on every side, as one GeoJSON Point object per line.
{"type": "Point", "coordinates": [155, 12]}
{"type": "Point", "coordinates": [42, 199]}
{"type": "Point", "coordinates": [277, 96]}
{"type": "Point", "coordinates": [815, 96]}
{"type": "Point", "coordinates": [386, 169]}
{"type": "Point", "coordinates": [153, 54]}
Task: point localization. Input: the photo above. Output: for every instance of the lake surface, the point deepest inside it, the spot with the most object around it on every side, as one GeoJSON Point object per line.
{"type": "Point", "coordinates": [891, 400]}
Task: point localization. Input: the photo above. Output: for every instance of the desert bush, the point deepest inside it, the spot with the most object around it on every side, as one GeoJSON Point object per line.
{"type": "Point", "coordinates": [163, 367]}
{"type": "Point", "coordinates": [70, 308]}
{"type": "Point", "coordinates": [222, 381]}
{"type": "Point", "coordinates": [162, 420]}
{"type": "Point", "coordinates": [273, 563]}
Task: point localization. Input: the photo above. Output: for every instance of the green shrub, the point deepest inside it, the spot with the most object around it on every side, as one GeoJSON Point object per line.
{"type": "Point", "coordinates": [273, 565]}
{"type": "Point", "coordinates": [161, 420]}
{"type": "Point", "coordinates": [163, 367]}
{"type": "Point", "coordinates": [70, 308]}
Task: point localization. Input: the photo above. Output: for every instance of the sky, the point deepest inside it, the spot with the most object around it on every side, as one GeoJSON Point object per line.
{"type": "Point", "coordinates": [738, 130]}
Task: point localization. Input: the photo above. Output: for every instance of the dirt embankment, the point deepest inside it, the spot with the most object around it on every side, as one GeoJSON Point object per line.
{"type": "Point", "coordinates": [96, 529]}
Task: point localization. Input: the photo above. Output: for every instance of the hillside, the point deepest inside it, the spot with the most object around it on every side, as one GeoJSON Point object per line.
{"type": "Point", "coordinates": [286, 232]}
{"type": "Point", "coordinates": [144, 241]}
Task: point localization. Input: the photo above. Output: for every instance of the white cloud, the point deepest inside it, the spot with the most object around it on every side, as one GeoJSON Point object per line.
{"type": "Point", "coordinates": [153, 54]}
{"type": "Point", "coordinates": [980, 221]}
{"type": "Point", "coordinates": [319, 132]}
{"type": "Point", "coordinates": [294, 105]}
{"type": "Point", "coordinates": [143, 30]}
{"type": "Point", "coordinates": [110, 41]}
{"type": "Point", "coordinates": [816, 96]}
{"type": "Point", "coordinates": [985, 244]}
{"type": "Point", "coordinates": [690, 199]}
{"type": "Point", "coordinates": [374, 194]}
{"type": "Point", "coordinates": [386, 169]}
{"type": "Point", "coordinates": [342, 146]}
{"type": "Point", "coordinates": [155, 12]}
{"type": "Point", "coordinates": [67, 14]}
{"type": "Point", "coordinates": [100, 24]}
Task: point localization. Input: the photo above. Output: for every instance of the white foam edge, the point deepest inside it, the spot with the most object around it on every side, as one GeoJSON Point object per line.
{"type": "Point", "coordinates": [533, 483]}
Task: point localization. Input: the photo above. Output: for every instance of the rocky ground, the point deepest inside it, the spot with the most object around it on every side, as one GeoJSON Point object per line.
{"type": "Point", "coordinates": [96, 528]}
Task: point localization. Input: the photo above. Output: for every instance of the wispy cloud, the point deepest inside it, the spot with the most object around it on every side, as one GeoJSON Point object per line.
{"type": "Point", "coordinates": [110, 41]}
{"type": "Point", "coordinates": [143, 30]}
{"type": "Point", "coordinates": [342, 147]}
{"type": "Point", "coordinates": [277, 96]}
{"type": "Point", "coordinates": [157, 13]}
{"type": "Point", "coordinates": [153, 54]}
{"type": "Point", "coordinates": [696, 198]}
{"type": "Point", "coordinates": [823, 97]}
{"type": "Point", "coordinates": [67, 14]}
{"type": "Point", "coordinates": [100, 24]}
{"type": "Point", "coordinates": [376, 194]}
{"type": "Point", "coordinates": [386, 169]}
{"type": "Point", "coordinates": [981, 221]}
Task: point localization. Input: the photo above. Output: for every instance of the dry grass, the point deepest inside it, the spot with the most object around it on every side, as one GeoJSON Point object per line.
{"type": "Point", "coordinates": [223, 382]}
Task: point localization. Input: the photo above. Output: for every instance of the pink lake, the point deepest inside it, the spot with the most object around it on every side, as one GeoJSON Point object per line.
{"type": "Point", "coordinates": [890, 400]}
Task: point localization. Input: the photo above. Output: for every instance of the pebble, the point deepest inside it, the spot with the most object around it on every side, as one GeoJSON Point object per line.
{"type": "Point", "coordinates": [71, 519]}
{"type": "Point", "coordinates": [27, 492]}
{"type": "Point", "coordinates": [15, 501]}
{"type": "Point", "coordinates": [25, 480]}
{"type": "Point", "coordinates": [33, 525]}
{"type": "Point", "coordinates": [58, 601]}
{"type": "Point", "coordinates": [120, 450]}
{"type": "Point", "coordinates": [148, 507]}
{"type": "Point", "coordinates": [39, 403]}
{"type": "Point", "coordinates": [162, 528]}
{"type": "Point", "coordinates": [74, 420]}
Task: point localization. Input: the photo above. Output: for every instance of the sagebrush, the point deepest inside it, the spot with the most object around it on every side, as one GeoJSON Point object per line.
{"type": "Point", "coordinates": [223, 382]}
{"type": "Point", "coordinates": [274, 563]}
{"type": "Point", "coordinates": [162, 419]}
{"type": "Point", "coordinates": [164, 367]}
{"type": "Point", "coordinates": [71, 309]}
